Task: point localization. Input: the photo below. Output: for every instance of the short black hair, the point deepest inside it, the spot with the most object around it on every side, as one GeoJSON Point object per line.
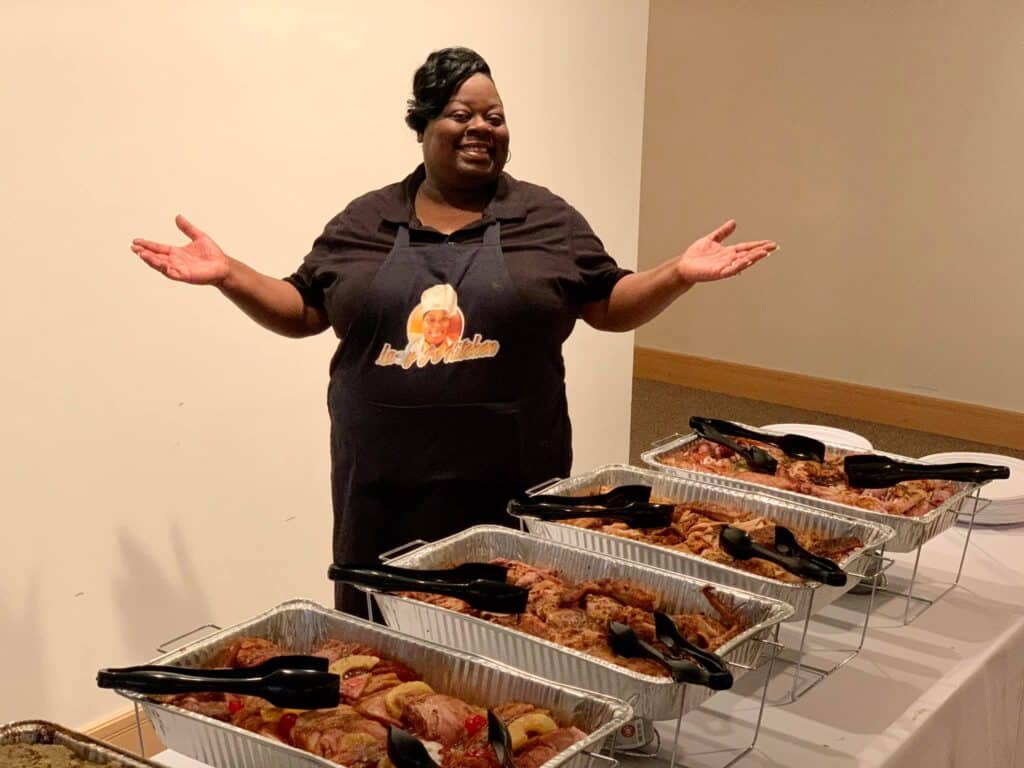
{"type": "Point", "coordinates": [435, 82]}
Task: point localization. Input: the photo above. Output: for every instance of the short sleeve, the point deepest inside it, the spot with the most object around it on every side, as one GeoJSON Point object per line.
{"type": "Point", "coordinates": [597, 271]}
{"type": "Point", "coordinates": [313, 278]}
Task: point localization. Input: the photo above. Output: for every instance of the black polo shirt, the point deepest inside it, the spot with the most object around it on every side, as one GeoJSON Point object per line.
{"type": "Point", "coordinates": [554, 259]}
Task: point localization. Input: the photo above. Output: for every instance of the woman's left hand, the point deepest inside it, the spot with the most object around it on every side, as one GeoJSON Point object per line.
{"type": "Point", "coordinates": [709, 259]}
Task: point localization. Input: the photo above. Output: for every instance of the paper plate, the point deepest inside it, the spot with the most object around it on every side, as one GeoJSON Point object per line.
{"type": "Point", "coordinates": [1006, 496]}
{"type": "Point", "coordinates": [1011, 489]}
{"type": "Point", "coordinates": [823, 433]}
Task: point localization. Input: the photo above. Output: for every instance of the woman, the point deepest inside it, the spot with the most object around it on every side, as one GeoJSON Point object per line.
{"type": "Point", "coordinates": [428, 438]}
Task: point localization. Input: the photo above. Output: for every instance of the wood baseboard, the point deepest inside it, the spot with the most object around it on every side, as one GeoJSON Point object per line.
{"type": "Point", "coordinates": [122, 731]}
{"type": "Point", "coordinates": [966, 421]}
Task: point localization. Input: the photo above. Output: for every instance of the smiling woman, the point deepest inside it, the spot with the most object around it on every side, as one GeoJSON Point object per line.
{"type": "Point", "coordinates": [465, 135]}
{"type": "Point", "coordinates": [453, 291]}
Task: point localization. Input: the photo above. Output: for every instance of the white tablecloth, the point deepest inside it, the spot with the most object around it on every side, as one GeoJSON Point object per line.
{"type": "Point", "coordinates": [946, 690]}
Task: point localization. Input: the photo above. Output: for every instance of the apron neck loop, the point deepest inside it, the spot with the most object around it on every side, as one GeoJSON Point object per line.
{"type": "Point", "coordinates": [492, 235]}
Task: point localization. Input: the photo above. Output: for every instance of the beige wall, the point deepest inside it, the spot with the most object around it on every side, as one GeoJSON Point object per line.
{"type": "Point", "coordinates": [164, 461]}
{"type": "Point", "coordinates": [879, 143]}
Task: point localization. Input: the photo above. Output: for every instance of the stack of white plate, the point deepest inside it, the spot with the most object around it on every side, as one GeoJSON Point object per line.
{"type": "Point", "coordinates": [823, 433]}
{"type": "Point", "coordinates": [1006, 496]}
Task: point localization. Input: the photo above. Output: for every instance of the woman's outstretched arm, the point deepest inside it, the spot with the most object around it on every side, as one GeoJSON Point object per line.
{"type": "Point", "coordinates": [273, 303]}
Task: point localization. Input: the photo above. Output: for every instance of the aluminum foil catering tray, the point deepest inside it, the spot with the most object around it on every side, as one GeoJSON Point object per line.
{"type": "Point", "coordinates": [652, 698]}
{"type": "Point", "coordinates": [806, 598]}
{"type": "Point", "coordinates": [83, 747]}
{"type": "Point", "coordinates": [910, 532]}
{"type": "Point", "coordinates": [300, 624]}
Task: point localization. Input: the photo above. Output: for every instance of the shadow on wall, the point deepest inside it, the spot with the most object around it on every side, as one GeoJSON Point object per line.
{"type": "Point", "coordinates": [23, 647]}
{"type": "Point", "coordinates": [155, 607]}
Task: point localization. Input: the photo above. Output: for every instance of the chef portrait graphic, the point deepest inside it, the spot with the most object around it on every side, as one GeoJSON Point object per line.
{"type": "Point", "coordinates": [435, 331]}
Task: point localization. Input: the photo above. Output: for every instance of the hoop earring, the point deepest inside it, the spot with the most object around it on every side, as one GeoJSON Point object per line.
{"type": "Point", "coordinates": [508, 157]}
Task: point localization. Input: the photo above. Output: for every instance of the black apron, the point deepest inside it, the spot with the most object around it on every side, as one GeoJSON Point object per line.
{"type": "Point", "coordinates": [428, 441]}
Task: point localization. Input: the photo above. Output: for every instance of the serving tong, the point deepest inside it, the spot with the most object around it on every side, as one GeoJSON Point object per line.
{"type": "Point", "coordinates": [798, 447]}
{"type": "Point", "coordinates": [706, 669]}
{"type": "Point", "coordinates": [786, 553]}
{"type": "Point", "coordinates": [874, 471]}
{"type": "Point", "coordinates": [500, 740]}
{"type": "Point", "coordinates": [481, 585]}
{"type": "Point", "coordinates": [292, 682]}
{"type": "Point", "coordinates": [636, 514]}
{"type": "Point", "coordinates": [665, 629]}
{"type": "Point", "coordinates": [758, 459]}
{"type": "Point", "coordinates": [406, 751]}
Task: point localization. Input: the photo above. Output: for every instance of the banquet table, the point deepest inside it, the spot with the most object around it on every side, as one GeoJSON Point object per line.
{"type": "Point", "coordinates": [946, 689]}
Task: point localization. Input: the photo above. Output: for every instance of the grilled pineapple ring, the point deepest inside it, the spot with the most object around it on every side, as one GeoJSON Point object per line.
{"type": "Point", "coordinates": [349, 663]}
{"type": "Point", "coordinates": [395, 698]}
{"type": "Point", "coordinates": [524, 728]}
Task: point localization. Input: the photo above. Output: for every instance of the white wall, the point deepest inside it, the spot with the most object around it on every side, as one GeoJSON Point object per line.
{"type": "Point", "coordinates": [164, 461]}
{"type": "Point", "coordinates": [880, 144]}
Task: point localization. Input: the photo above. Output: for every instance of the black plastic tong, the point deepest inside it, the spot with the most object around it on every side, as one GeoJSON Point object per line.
{"type": "Point", "coordinates": [874, 471]}
{"type": "Point", "coordinates": [624, 642]}
{"type": "Point", "coordinates": [636, 514]}
{"type": "Point", "coordinates": [485, 594]}
{"type": "Point", "coordinates": [758, 459]}
{"type": "Point", "coordinates": [794, 446]}
{"type": "Point", "coordinates": [406, 751]}
{"type": "Point", "coordinates": [293, 682]}
{"type": "Point", "coordinates": [500, 740]}
{"type": "Point", "coordinates": [786, 553]}
{"type": "Point", "coordinates": [668, 634]}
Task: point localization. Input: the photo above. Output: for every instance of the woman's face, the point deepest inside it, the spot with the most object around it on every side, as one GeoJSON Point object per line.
{"type": "Point", "coordinates": [467, 144]}
{"type": "Point", "coordinates": [435, 327]}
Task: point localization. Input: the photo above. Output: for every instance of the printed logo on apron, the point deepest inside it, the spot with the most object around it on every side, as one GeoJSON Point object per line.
{"type": "Point", "coordinates": [435, 331]}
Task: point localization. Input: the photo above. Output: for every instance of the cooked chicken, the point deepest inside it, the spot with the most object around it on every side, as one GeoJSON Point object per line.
{"type": "Point", "coordinates": [248, 652]}
{"type": "Point", "coordinates": [695, 530]}
{"type": "Point", "coordinates": [341, 734]}
{"type": "Point", "coordinates": [437, 717]}
{"type": "Point", "coordinates": [377, 692]}
{"type": "Point", "coordinates": [577, 616]}
{"type": "Point", "coordinates": [827, 480]}
{"type": "Point", "coordinates": [538, 751]}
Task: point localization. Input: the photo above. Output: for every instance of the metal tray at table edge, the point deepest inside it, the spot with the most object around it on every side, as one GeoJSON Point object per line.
{"type": "Point", "coordinates": [300, 624]}
{"type": "Point", "coordinates": [653, 698]}
{"type": "Point", "coordinates": [807, 598]}
{"type": "Point", "coordinates": [82, 746]}
{"type": "Point", "coordinates": [910, 532]}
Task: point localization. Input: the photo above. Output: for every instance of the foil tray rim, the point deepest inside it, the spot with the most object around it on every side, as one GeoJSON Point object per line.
{"type": "Point", "coordinates": [651, 455]}
{"type": "Point", "coordinates": [779, 610]}
{"type": "Point", "coordinates": [880, 533]}
{"type": "Point", "coordinates": [618, 711]}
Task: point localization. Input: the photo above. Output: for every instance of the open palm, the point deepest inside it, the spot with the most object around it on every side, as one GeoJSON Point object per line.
{"type": "Point", "coordinates": [710, 259]}
{"type": "Point", "coordinates": [200, 262]}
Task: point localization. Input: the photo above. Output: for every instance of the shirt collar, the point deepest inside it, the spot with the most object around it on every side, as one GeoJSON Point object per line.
{"type": "Point", "coordinates": [508, 202]}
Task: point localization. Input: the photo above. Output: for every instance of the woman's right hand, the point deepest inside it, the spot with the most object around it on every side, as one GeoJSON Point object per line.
{"type": "Point", "coordinates": [200, 262]}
